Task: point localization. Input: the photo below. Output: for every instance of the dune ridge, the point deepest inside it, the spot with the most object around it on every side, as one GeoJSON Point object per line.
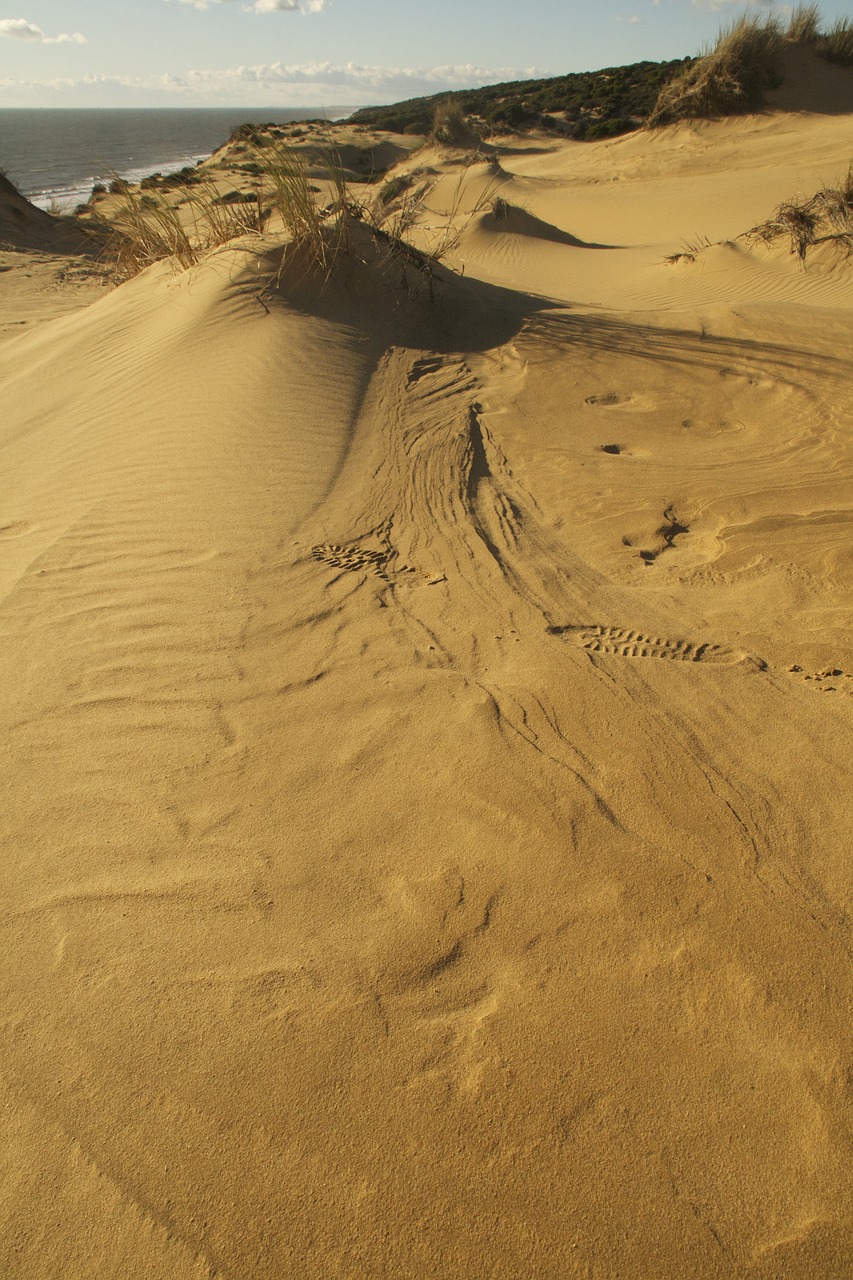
{"type": "Point", "coordinates": [426, 733]}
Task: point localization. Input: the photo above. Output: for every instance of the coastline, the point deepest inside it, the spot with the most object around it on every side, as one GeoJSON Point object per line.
{"type": "Point", "coordinates": [97, 144]}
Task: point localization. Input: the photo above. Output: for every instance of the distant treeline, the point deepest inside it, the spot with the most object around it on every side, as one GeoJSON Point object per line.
{"type": "Point", "coordinates": [585, 104]}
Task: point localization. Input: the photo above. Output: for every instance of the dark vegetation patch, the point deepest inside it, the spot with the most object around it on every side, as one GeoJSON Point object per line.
{"type": "Point", "coordinates": [584, 105]}
{"type": "Point", "coordinates": [732, 77]}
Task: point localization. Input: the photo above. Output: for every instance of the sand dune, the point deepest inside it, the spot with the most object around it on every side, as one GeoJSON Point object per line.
{"type": "Point", "coordinates": [426, 736]}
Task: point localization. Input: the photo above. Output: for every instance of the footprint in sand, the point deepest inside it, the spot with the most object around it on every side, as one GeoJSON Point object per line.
{"type": "Point", "coordinates": [671, 529]}
{"type": "Point", "coordinates": [624, 642]}
{"type": "Point", "coordinates": [830, 680]}
{"type": "Point", "coordinates": [619, 400]}
{"type": "Point", "coordinates": [608, 400]}
{"type": "Point", "coordinates": [357, 559]}
{"type": "Point", "coordinates": [748, 376]}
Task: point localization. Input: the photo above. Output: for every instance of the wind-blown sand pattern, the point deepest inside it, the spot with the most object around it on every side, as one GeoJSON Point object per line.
{"type": "Point", "coordinates": [426, 853]}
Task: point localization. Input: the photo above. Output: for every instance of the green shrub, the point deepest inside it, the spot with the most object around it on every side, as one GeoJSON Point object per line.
{"type": "Point", "coordinates": [611, 128]}
{"type": "Point", "coordinates": [512, 115]}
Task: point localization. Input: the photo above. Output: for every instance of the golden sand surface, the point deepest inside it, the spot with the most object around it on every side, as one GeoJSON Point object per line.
{"type": "Point", "coordinates": [425, 741]}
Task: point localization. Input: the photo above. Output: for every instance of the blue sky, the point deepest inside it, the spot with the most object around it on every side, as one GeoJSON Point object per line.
{"type": "Point", "coordinates": [114, 53]}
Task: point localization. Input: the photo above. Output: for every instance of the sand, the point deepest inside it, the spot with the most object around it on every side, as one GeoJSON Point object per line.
{"type": "Point", "coordinates": [426, 739]}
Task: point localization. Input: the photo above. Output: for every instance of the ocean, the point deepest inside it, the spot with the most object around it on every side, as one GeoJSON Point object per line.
{"type": "Point", "coordinates": [55, 156]}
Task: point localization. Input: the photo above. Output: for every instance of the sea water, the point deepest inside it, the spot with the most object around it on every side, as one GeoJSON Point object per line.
{"type": "Point", "coordinates": [55, 156]}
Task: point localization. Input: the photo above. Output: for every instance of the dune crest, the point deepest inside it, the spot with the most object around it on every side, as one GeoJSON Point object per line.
{"type": "Point", "coordinates": [427, 722]}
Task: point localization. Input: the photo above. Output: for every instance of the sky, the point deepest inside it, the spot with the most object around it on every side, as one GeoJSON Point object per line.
{"type": "Point", "coordinates": [294, 53]}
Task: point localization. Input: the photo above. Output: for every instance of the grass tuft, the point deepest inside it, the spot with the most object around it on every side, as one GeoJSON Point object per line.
{"type": "Point", "coordinates": [804, 25]}
{"type": "Point", "coordinates": [824, 218]}
{"type": "Point", "coordinates": [746, 61]}
{"type": "Point", "coordinates": [139, 228]}
{"type": "Point", "coordinates": [728, 80]}
{"type": "Point", "coordinates": [450, 126]}
{"type": "Point", "coordinates": [837, 45]}
{"type": "Point", "coordinates": [320, 228]}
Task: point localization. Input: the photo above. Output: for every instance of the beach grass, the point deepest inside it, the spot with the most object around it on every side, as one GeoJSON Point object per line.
{"type": "Point", "coordinates": [451, 127]}
{"type": "Point", "coordinates": [804, 24]}
{"type": "Point", "coordinates": [729, 79]}
{"type": "Point", "coordinates": [140, 227]}
{"type": "Point", "coordinates": [837, 44]}
{"type": "Point", "coordinates": [823, 218]}
{"type": "Point", "coordinates": [314, 224]}
{"type": "Point", "coordinates": [745, 62]}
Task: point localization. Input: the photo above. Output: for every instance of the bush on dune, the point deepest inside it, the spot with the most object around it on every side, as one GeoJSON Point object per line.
{"type": "Point", "coordinates": [730, 79]}
{"type": "Point", "coordinates": [450, 126]}
{"type": "Point", "coordinates": [747, 60]}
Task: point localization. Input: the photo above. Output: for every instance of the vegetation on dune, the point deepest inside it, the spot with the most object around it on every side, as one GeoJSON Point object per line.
{"type": "Point", "coordinates": [746, 61]}
{"type": "Point", "coordinates": [804, 25]}
{"type": "Point", "coordinates": [824, 218]}
{"type": "Point", "coordinates": [837, 44]}
{"type": "Point", "coordinates": [183, 215]}
{"type": "Point", "coordinates": [731, 78]}
{"type": "Point", "coordinates": [394, 188]}
{"type": "Point", "coordinates": [583, 105]}
{"type": "Point", "coordinates": [451, 126]}
{"type": "Point", "coordinates": [317, 229]}
{"type": "Point", "coordinates": [139, 228]}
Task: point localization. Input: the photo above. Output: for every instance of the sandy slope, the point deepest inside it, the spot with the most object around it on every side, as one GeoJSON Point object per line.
{"type": "Point", "coordinates": [427, 831]}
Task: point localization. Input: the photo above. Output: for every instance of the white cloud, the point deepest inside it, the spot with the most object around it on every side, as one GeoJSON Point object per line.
{"type": "Point", "coordinates": [276, 6]}
{"type": "Point", "coordinates": [20, 29]}
{"type": "Point", "coordinates": [312, 84]}
{"type": "Point", "coordinates": [714, 6]}
{"type": "Point", "coordinates": [266, 6]}
{"type": "Point", "coordinates": [382, 80]}
{"type": "Point", "coordinates": [630, 22]}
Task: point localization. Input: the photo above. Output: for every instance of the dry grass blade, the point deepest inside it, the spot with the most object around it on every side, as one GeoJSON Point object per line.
{"type": "Point", "coordinates": [317, 224]}
{"type": "Point", "coordinates": [824, 218]}
{"type": "Point", "coordinates": [442, 237]}
{"type": "Point", "coordinates": [140, 228]}
{"type": "Point", "coordinates": [730, 79]}
{"type": "Point", "coordinates": [218, 219]}
{"type": "Point", "coordinates": [450, 126]}
{"type": "Point", "coordinates": [318, 235]}
{"type": "Point", "coordinates": [804, 25]}
{"type": "Point", "coordinates": [837, 44]}
{"type": "Point", "coordinates": [138, 235]}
